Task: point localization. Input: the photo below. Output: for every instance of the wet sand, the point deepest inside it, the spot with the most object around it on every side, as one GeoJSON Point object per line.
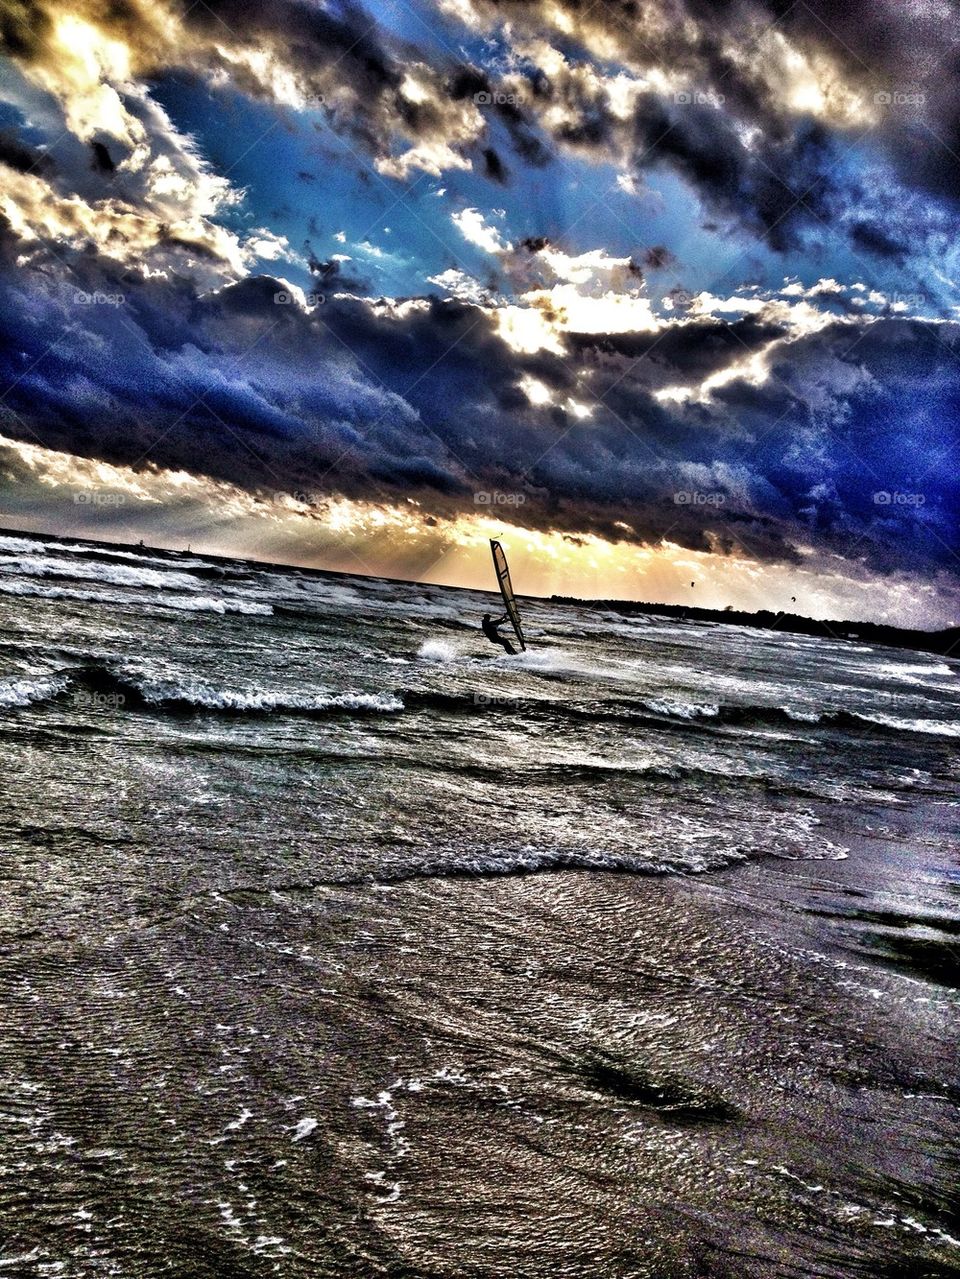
{"type": "Point", "coordinates": [565, 1073]}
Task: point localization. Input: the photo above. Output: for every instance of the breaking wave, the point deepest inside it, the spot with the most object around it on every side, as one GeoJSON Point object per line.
{"type": "Point", "coordinates": [134, 687]}
{"type": "Point", "coordinates": [694, 715]}
{"type": "Point", "coordinates": [933, 727]}
{"type": "Point", "coordinates": [256, 701]}
{"type": "Point", "coordinates": [682, 710]}
{"type": "Point", "coordinates": [16, 692]}
{"type": "Point", "coordinates": [439, 650]}
{"type": "Point", "coordinates": [92, 571]}
{"type": "Point", "coordinates": [799, 715]}
{"type": "Point", "coordinates": [161, 599]}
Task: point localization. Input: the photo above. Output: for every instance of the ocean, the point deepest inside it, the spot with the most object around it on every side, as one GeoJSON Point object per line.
{"type": "Point", "coordinates": [336, 942]}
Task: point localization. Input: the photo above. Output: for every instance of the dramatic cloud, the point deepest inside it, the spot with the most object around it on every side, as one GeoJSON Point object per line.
{"type": "Point", "coordinates": [657, 273]}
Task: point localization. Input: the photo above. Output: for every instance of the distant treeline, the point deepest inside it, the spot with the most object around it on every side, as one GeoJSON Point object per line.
{"type": "Point", "coordinates": [946, 642]}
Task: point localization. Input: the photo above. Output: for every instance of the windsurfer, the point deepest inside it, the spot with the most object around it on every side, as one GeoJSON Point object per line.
{"type": "Point", "coordinates": [489, 627]}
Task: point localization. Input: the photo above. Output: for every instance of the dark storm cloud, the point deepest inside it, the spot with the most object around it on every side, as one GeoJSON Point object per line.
{"type": "Point", "coordinates": [16, 154]}
{"type": "Point", "coordinates": [337, 55]}
{"type": "Point", "coordinates": [466, 82]}
{"type": "Point", "coordinates": [658, 257]}
{"type": "Point", "coordinates": [782, 184]}
{"type": "Point", "coordinates": [683, 353]}
{"type": "Point", "coordinates": [102, 160]}
{"type": "Point", "coordinates": [24, 27]}
{"type": "Point", "coordinates": [340, 49]}
{"type": "Point", "coordinates": [368, 400]}
{"type": "Point", "coordinates": [330, 274]}
{"type": "Point", "coordinates": [778, 188]}
{"type": "Point", "coordinates": [365, 400]}
{"type": "Point", "coordinates": [898, 61]}
{"type": "Point", "coordinates": [906, 54]}
{"type": "Point", "coordinates": [312, 38]}
{"type": "Point", "coordinates": [493, 166]}
{"type": "Point", "coordinates": [871, 238]}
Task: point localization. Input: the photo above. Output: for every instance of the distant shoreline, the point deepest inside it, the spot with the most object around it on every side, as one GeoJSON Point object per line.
{"type": "Point", "coordinates": [943, 642]}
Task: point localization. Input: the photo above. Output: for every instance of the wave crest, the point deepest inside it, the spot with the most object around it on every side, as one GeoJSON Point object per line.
{"type": "Point", "coordinates": [159, 691]}
{"type": "Point", "coordinates": [28, 690]}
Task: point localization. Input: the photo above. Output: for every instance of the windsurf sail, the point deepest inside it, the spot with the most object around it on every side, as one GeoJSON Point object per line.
{"type": "Point", "coordinates": [506, 589]}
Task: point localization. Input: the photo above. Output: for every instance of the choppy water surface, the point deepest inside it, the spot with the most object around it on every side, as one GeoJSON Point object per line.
{"type": "Point", "coordinates": [273, 1002]}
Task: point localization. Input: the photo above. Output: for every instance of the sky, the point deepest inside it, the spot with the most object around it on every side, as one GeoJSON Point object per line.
{"type": "Point", "coordinates": [663, 294]}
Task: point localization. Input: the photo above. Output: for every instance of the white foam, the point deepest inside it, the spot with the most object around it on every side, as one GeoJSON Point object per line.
{"type": "Point", "coordinates": [938, 677]}
{"type": "Point", "coordinates": [24, 691]}
{"type": "Point", "coordinates": [30, 1256]}
{"type": "Point", "coordinates": [110, 574]}
{"type": "Point", "coordinates": [157, 690]}
{"type": "Point", "coordinates": [303, 1128]}
{"type": "Point", "coordinates": [21, 545]}
{"type": "Point", "coordinates": [171, 600]}
{"type": "Point", "coordinates": [213, 604]}
{"type": "Point", "coordinates": [438, 650]}
{"type": "Point", "coordinates": [558, 661]}
{"type": "Point", "coordinates": [931, 727]}
{"type": "Point", "coordinates": [802, 715]}
{"type": "Point", "coordinates": [391, 1187]}
{"type": "Point", "coordinates": [681, 710]}
{"type": "Point", "coordinates": [897, 670]}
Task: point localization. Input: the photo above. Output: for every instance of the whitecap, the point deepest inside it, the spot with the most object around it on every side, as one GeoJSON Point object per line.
{"type": "Point", "coordinates": [110, 574]}
{"type": "Point", "coordinates": [438, 650]}
{"type": "Point", "coordinates": [158, 690]}
{"type": "Point", "coordinates": [303, 1128]}
{"type": "Point", "coordinates": [171, 600]}
{"type": "Point", "coordinates": [931, 727]}
{"type": "Point", "coordinates": [681, 710]}
{"type": "Point", "coordinates": [24, 691]}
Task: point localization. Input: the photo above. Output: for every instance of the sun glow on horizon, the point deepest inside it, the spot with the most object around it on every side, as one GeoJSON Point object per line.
{"type": "Point", "coordinates": [80, 497]}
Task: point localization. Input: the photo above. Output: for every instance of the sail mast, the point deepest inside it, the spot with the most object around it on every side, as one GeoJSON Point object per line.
{"type": "Point", "coordinates": [506, 589]}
